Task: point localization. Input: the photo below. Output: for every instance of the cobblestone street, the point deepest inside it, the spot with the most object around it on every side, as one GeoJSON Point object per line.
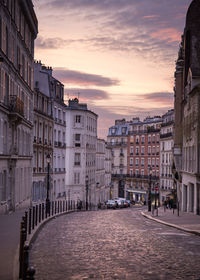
{"type": "Point", "coordinates": [114, 244]}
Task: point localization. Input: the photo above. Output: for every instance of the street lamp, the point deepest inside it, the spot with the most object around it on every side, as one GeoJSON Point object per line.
{"type": "Point", "coordinates": [111, 186]}
{"type": "Point", "coordinates": [149, 192]}
{"type": "Point", "coordinates": [48, 159]}
{"type": "Point", "coordinates": [86, 188]}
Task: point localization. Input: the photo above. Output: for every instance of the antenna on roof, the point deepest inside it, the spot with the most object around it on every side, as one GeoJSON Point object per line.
{"type": "Point", "coordinates": [68, 95]}
{"type": "Point", "coordinates": [78, 95]}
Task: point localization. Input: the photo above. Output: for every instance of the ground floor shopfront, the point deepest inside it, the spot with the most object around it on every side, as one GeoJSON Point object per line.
{"type": "Point", "coordinates": [190, 194]}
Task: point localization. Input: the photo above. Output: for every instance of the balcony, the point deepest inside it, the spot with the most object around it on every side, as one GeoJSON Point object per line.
{"type": "Point", "coordinates": [166, 135]}
{"type": "Point", "coordinates": [16, 105]}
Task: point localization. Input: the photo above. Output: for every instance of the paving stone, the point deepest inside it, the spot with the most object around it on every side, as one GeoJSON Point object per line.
{"type": "Point", "coordinates": [113, 244]}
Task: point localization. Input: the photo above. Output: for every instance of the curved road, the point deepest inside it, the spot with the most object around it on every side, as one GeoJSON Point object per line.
{"type": "Point", "coordinates": [114, 244]}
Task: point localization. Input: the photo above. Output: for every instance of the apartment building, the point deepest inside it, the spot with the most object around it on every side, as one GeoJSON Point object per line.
{"type": "Point", "coordinates": [100, 172]}
{"type": "Point", "coordinates": [143, 157]}
{"type": "Point", "coordinates": [43, 132]}
{"type": "Point", "coordinates": [59, 150]}
{"type": "Point", "coordinates": [135, 147]}
{"type": "Point", "coordinates": [108, 171]}
{"type": "Point", "coordinates": [166, 156]}
{"type": "Point", "coordinates": [80, 159]}
{"type": "Point", "coordinates": [187, 114]}
{"type": "Point", "coordinates": [19, 28]}
{"type": "Point", "coordinates": [117, 141]}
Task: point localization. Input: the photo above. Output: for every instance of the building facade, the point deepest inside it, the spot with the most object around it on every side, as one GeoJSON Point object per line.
{"type": "Point", "coordinates": [135, 148]}
{"type": "Point", "coordinates": [143, 157]}
{"type": "Point", "coordinates": [187, 113]}
{"type": "Point", "coordinates": [80, 159]}
{"type": "Point", "coordinates": [117, 142]}
{"type": "Point", "coordinates": [18, 30]}
{"type": "Point", "coordinates": [166, 156]}
{"type": "Point", "coordinates": [43, 132]}
{"type": "Point", "coordinates": [100, 172]}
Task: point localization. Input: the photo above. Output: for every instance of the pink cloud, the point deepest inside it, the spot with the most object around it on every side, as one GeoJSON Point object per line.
{"type": "Point", "coordinates": [169, 34]}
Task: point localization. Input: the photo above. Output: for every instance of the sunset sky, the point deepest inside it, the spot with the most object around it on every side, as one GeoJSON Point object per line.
{"type": "Point", "coordinates": [117, 55]}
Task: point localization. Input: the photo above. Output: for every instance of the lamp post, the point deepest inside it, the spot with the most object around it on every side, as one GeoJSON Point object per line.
{"type": "Point", "coordinates": [48, 158]}
{"type": "Point", "coordinates": [86, 192]}
{"type": "Point", "coordinates": [111, 186]}
{"type": "Point", "coordinates": [149, 192]}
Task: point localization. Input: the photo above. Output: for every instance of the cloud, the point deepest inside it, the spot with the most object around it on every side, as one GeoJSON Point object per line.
{"type": "Point", "coordinates": [78, 78]}
{"type": "Point", "coordinates": [86, 94]}
{"type": "Point", "coordinates": [108, 114]}
{"type": "Point", "coordinates": [151, 28]}
{"type": "Point", "coordinates": [51, 43]}
{"type": "Point", "coordinates": [162, 97]}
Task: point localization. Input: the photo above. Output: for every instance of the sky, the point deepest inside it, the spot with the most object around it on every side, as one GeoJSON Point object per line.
{"type": "Point", "coordinates": [118, 56]}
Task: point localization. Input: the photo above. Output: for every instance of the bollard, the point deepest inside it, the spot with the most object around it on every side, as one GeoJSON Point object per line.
{"type": "Point", "coordinates": [178, 209]}
{"type": "Point", "coordinates": [29, 220]}
{"type": "Point", "coordinates": [39, 213]}
{"type": "Point", "coordinates": [36, 215]}
{"type": "Point", "coordinates": [26, 222]}
{"type": "Point", "coordinates": [21, 248]}
{"type": "Point", "coordinates": [30, 273]}
{"type": "Point", "coordinates": [33, 219]}
{"type": "Point", "coordinates": [52, 208]}
{"type": "Point", "coordinates": [42, 211]}
{"type": "Point", "coordinates": [25, 261]}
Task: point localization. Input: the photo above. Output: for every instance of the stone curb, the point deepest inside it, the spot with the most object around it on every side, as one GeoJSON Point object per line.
{"type": "Point", "coordinates": [31, 239]}
{"type": "Point", "coordinates": [171, 225]}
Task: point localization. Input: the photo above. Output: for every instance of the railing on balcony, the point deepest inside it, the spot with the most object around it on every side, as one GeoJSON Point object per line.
{"type": "Point", "coordinates": [166, 135]}
{"type": "Point", "coordinates": [16, 105]}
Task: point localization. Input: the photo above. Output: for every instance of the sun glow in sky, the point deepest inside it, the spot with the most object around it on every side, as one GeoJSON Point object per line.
{"type": "Point", "coordinates": [119, 55]}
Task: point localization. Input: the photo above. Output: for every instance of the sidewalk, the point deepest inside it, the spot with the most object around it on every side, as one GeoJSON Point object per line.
{"type": "Point", "coordinates": [185, 221]}
{"type": "Point", "coordinates": [9, 242]}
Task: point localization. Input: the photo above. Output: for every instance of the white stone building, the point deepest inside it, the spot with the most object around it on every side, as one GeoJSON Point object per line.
{"type": "Point", "coordinates": [18, 24]}
{"type": "Point", "coordinates": [166, 155]}
{"type": "Point", "coordinates": [100, 172]}
{"type": "Point", "coordinates": [42, 131]}
{"type": "Point", "coordinates": [59, 151]}
{"type": "Point", "coordinates": [80, 160]}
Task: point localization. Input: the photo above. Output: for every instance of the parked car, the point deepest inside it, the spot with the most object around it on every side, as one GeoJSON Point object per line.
{"type": "Point", "coordinates": [120, 203]}
{"type": "Point", "coordinates": [111, 204]}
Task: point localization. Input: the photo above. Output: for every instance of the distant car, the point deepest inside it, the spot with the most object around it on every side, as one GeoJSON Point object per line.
{"type": "Point", "coordinates": [120, 203]}
{"type": "Point", "coordinates": [111, 204]}
{"type": "Point", "coordinates": [128, 202]}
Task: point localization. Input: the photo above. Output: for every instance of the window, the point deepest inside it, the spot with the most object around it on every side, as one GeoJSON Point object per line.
{"type": "Point", "coordinates": [131, 161]}
{"type": "Point", "coordinates": [137, 151]}
{"type": "Point", "coordinates": [131, 151]}
{"type": "Point", "coordinates": [142, 162]}
{"type": "Point", "coordinates": [137, 161]}
{"type": "Point", "coordinates": [78, 119]}
{"type": "Point", "coordinates": [77, 137]}
{"type": "Point", "coordinates": [149, 150]}
{"type": "Point", "coordinates": [142, 139]}
{"type": "Point", "coordinates": [77, 159]}
{"type": "Point", "coordinates": [142, 150]}
{"type": "Point", "coordinates": [149, 139]}
{"type": "Point", "coordinates": [76, 178]}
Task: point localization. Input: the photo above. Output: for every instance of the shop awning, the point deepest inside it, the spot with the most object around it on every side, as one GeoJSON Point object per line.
{"type": "Point", "coordinates": [137, 191]}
